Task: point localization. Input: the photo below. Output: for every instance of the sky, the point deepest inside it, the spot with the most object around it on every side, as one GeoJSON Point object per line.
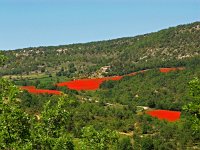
{"type": "Point", "coordinates": [32, 23]}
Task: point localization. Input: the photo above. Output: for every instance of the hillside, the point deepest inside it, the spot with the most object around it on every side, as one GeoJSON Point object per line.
{"type": "Point", "coordinates": [144, 107]}
{"type": "Point", "coordinates": [165, 48]}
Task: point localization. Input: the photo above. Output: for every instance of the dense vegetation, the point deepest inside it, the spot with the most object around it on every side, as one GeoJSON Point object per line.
{"type": "Point", "coordinates": [91, 125]}
{"type": "Point", "coordinates": [152, 89]}
{"type": "Point", "coordinates": [113, 116]}
{"type": "Point", "coordinates": [168, 47]}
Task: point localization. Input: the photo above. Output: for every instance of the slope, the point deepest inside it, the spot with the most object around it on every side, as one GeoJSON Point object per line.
{"type": "Point", "coordinates": [168, 47]}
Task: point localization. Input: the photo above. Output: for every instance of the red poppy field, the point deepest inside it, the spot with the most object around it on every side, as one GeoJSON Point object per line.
{"type": "Point", "coordinates": [165, 114]}
{"type": "Point", "coordinates": [94, 84]}
{"type": "Point", "coordinates": [33, 90]}
{"type": "Point", "coordinates": [87, 84]}
{"type": "Point", "coordinates": [166, 70]}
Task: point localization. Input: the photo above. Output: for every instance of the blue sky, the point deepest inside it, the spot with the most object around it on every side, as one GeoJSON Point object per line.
{"type": "Point", "coordinates": [30, 23]}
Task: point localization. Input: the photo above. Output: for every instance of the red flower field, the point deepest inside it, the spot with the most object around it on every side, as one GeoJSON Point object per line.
{"type": "Point", "coordinates": [166, 70]}
{"type": "Point", "coordinates": [165, 114]}
{"type": "Point", "coordinates": [94, 84]}
{"type": "Point", "coordinates": [87, 84]}
{"type": "Point", "coordinates": [33, 90]}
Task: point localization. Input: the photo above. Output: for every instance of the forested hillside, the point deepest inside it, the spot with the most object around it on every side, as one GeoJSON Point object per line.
{"type": "Point", "coordinates": [43, 107]}
{"type": "Point", "coordinates": [168, 47]}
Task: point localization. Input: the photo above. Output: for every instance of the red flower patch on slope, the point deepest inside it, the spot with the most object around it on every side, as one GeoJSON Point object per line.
{"type": "Point", "coordinates": [44, 91]}
{"type": "Point", "coordinates": [82, 84]}
{"type": "Point", "coordinates": [87, 84]}
{"type": "Point", "coordinates": [33, 90]}
{"type": "Point", "coordinates": [165, 114]}
{"type": "Point", "coordinates": [166, 70]}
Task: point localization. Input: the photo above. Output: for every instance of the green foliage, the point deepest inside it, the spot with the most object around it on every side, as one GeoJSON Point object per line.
{"type": "Point", "coordinates": [2, 59]}
{"type": "Point", "coordinates": [61, 119]}
{"type": "Point", "coordinates": [19, 130]}
{"type": "Point", "coordinates": [125, 144]}
{"type": "Point", "coordinates": [184, 134]}
{"type": "Point", "coordinates": [50, 130]}
{"type": "Point", "coordinates": [147, 143]}
{"type": "Point", "coordinates": [107, 84]}
{"type": "Point", "coordinates": [195, 89]}
{"type": "Point", "coordinates": [194, 107]}
{"type": "Point", "coordinates": [152, 88]}
{"type": "Point", "coordinates": [15, 123]}
{"type": "Point", "coordinates": [98, 140]}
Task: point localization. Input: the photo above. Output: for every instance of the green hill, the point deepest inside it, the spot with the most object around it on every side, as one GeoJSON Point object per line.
{"type": "Point", "coordinates": [168, 47]}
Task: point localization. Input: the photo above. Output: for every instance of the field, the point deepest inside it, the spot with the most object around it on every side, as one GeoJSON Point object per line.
{"type": "Point", "coordinates": [33, 90]}
{"type": "Point", "coordinates": [94, 84]}
{"type": "Point", "coordinates": [87, 84]}
{"type": "Point", "coordinates": [165, 114]}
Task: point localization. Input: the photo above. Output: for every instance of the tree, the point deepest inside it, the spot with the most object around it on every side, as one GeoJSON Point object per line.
{"type": "Point", "coordinates": [50, 131]}
{"type": "Point", "coordinates": [98, 140]}
{"type": "Point", "coordinates": [147, 143]}
{"type": "Point", "coordinates": [193, 107]}
{"type": "Point", "coordinates": [71, 68]}
{"type": "Point", "coordinates": [125, 144]}
{"type": "Point", "coordinates": [2, 59]}
{"type": "Point", "coordinates": [15, 123]}
{"type": "Point", "coordinates": [18, 130]}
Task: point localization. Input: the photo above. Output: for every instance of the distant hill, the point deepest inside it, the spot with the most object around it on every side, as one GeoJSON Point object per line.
{"type": "Point", "coordinates": [174, 46]}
